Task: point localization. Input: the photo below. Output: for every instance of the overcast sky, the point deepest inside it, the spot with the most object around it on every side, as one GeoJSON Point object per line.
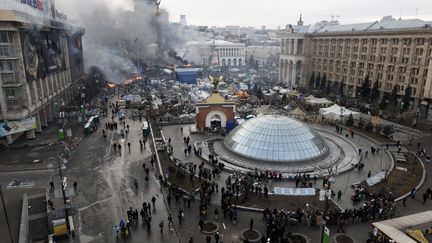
{"type": "Point", "coordinates": [273, 13]}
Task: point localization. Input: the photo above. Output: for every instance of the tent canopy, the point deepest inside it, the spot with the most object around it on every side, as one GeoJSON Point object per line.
{"type": "Point", "coordinates": [336, 112]}
{"type": "Point", "coordinates": [318, 101]}
{"type": "Point", "coordinates": [297, 112]}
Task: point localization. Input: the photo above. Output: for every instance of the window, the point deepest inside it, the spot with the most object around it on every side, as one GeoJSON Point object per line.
{"type": "Point", "coordinates": [406, 51]}
{"type": "Point", "coordinates": [395, 41]}
{"type": "Point", "coordinates": [11, 93]}
{"type": "Point", "coordinates": [384, 41]}
{"type": "Point", "coordinates": [407, 41]}
{"type": "Point", "coordinates": [419, 51]}
{"type": "Point", "coordinates": [420, 41]}
{"type": "Point", "coordinates": [383, 50]}
{"type": "Point", "coordinates": [8, 72]}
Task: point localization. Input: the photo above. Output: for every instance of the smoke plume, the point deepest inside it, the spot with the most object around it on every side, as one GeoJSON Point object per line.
{"type": "Point", "coordinates": [120, 31]}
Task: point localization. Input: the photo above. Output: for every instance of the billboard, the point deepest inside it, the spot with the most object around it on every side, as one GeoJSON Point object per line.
{"type": "Point", "coordinates": [187, 75]}
{"type": "Point", "coordinates": [12, 127]}
{"type": "Point", "coordinates": [44, 52]}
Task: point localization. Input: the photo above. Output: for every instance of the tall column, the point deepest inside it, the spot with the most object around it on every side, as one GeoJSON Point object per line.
{"type": "Point", "coordinates": [281, 63]}
{"type": "Point", "coordinates": [42, 89]}
{"type": "Point", "coordinates": [48, 113]}
{"type": "Point", "coordinates": [294, 75]}
{"type": "Point", "coordinates": [289, 74]}
{"type": "Point", "coordinates": [38, 123]}
{"type": "Point", "coordinates": [285, 75]}
{"type": "Point", "coordinates": [301, 75]}
{"type": "Point", "coordinates": [295, 47]}
{"type": "Point", "coordinates": [43, 117]}
{"type": "Point", "coordinates": [289, 47]}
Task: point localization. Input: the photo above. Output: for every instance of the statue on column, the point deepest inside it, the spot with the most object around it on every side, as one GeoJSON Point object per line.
{"type": "Point", "coordinates": [215, 81]}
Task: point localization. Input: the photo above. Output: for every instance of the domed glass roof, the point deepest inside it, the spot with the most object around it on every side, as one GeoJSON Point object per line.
{"type": "Point", "coordinates": [276, 138]}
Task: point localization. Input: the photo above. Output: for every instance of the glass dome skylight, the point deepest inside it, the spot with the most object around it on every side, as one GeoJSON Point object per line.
{"type": "Point", "coordinates": [275, 138]}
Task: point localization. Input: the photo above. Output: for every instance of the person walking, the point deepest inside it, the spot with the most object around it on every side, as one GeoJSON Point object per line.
{"type": "Point", "coordinates": [52, 185]}
{"type": "Point", "coordinates": [251, 224]}
{"type": "Point", "coordinates": [208, 239]}
{"type": "Point", "coordinates": [201, 224]}
{"type": "Point", "coordinates": [339, 195]}
{"type": "Point", "coordinates": [425, 197]}
{"type": "Point", "coordinates": [341, 224]}
{"type": "Point", "coordinates": [217, 237]}
{"type": "Point", "coordinates": [75, 185]}
{"type": "Point", "coordinates": [129, 146]}
{"type": "Point", "coordinates": [216, 213]}
{"type": "Point", "coordinates": [191, 240]}
{"type": "Point", "coordinates": [180, 215]}
{"type": "Point", "coordinates": [161, 225]}
{"type": "Point", "coordinates": [170, 222]}
{"type": "Point", "coordinates": [153, 200]}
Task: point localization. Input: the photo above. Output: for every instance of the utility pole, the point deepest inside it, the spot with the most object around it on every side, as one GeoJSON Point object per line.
{"type": "Point", "coordinates": [5, 212]}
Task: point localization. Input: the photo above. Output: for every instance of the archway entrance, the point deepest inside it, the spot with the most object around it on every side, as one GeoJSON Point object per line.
{"type": "Point", "coordinates": [215, 122]}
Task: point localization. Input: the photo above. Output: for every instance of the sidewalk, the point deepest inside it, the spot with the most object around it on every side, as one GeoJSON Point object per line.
{"type": "Point", "coordinates": [33, 154]}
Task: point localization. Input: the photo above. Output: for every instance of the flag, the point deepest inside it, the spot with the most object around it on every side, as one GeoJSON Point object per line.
{"type": "Point", "coordinates": [136, 39]}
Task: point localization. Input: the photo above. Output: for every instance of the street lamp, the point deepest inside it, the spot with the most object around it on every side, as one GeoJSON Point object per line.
{"type": "Point", "coordinates": [341, 115]}
{"type": "Point", "coordinates": [61, 166]}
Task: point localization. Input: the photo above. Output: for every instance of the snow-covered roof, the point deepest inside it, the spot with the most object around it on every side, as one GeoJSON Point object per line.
{"type": "Point", "coordinates": [386, 23]}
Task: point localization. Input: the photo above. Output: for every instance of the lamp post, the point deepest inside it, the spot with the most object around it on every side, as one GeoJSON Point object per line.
{"type": "Point", "coordinates": [341, 115]}
{"type": "Point", "coordinates": [61, 166]}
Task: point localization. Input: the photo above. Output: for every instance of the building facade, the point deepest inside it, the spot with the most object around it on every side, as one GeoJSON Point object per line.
{"type": "Point", "coordinates": [216, 52]}
{"type": "Point", "coordinates": [391, 52]}
{"type": "Point", "coordinates": [40, 62]}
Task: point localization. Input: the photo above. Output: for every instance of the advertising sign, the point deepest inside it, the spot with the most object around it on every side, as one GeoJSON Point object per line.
{"type": "Point", "coordinates": [33, 3]}
{"type": "Point", "coordinates": [12, 127]}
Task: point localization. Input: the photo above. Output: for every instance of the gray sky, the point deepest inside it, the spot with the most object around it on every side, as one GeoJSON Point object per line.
{"type": "Point", "coordinates": [273, 13]}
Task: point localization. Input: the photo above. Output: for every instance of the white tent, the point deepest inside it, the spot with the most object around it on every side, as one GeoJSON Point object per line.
{"type": "Point", "coordinates": [297, 113]}
{"type": "Point", "coordinates": [319, 101]}
{"type": "Point", "coordinates": [335, 112]}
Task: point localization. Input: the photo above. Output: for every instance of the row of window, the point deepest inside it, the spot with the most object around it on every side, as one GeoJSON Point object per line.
{"type": "Point", "coordinates": [226, 52]}
{"type": "Point", "coordinates": [388, 85]}
{"type": "Point", "coordinates": [374, 41]}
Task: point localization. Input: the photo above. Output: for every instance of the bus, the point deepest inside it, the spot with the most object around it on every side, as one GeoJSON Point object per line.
{"type": "Point", "coordinates": [91, 125]}
{"type": "Point", "coordinates": [145, 129]}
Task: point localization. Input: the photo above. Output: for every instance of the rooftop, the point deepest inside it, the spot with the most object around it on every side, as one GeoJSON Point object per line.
{"type": "Point", "coordinates": [385, 24]}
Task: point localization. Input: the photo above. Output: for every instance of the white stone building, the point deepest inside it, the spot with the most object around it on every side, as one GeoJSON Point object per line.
{"type": "Point", "coordinates": [215, 52]}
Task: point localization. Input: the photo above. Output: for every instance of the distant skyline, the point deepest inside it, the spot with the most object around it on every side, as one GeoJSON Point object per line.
{"type": "Point", "coordinates": [274, 13]}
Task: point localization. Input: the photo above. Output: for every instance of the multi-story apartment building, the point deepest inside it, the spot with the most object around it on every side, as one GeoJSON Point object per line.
{"type": "Point", "coordinates": [40, 62]}
{"type": "Point", "coordinates": [392, 52]}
